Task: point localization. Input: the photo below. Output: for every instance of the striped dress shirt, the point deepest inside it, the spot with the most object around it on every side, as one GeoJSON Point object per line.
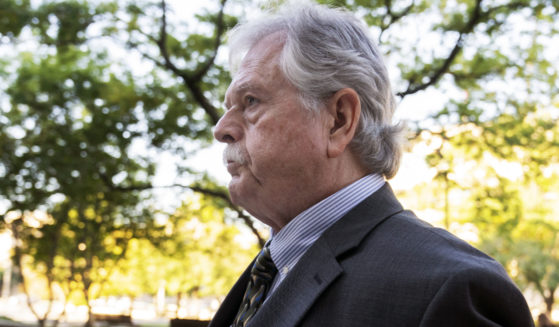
{"type": "Point", "coordinates": [295, 238]}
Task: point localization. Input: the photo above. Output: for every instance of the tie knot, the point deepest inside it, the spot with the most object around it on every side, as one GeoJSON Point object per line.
{"type": "Point", "coordinates": [264, 265]}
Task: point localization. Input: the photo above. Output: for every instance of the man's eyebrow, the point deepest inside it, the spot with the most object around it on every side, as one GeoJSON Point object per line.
{"type": "Point", "coordinates": [248, 86]}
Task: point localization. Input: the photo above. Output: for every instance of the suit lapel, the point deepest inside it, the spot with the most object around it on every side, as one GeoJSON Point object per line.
{"type": "Point", "coordinates": [299, 290]}
{"type": "Point", "coordinates": [319, 266]}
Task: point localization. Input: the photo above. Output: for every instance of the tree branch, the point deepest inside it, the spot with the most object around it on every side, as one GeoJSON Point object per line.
{"type": "Point", "coordinates": [219, 30]}
{"type": "Point", "coordinates": [190, 81]}
{"type": "Point", "coordinates": [439, 72]}
{"type": "Point", "coordinates": [241, 214]}
{"type": "Point", "coordinates": [198, 95]}
{"type": "Point", "coordinates": [195, 188]}
{"type": "Point", "coordinates": [394, 17]}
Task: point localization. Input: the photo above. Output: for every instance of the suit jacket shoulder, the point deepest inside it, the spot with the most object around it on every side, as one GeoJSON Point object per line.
{"type": "Point", "coordinates": [382, 266]}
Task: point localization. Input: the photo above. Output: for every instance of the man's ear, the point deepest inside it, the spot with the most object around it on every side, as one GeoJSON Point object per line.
{"type": "Point", "coordinates": [344, 109]}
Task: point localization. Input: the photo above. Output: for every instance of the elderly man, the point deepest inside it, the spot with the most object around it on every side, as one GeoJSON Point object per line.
{"type": "Point", "coordinates": [310, 141]}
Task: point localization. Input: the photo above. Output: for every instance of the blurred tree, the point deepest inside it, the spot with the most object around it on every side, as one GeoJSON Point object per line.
{"type": "Point", "coordinates": [213, 263]}
{"type": "Point", "coordinates": [530, 253]}
{"type": "Point", "coordinates": [535, 257]}
{"type": "Point", "coordinates": [506, 184]}
{"type": "Point", "coordinates": [139, 273]}
{"type": "Point", "coordinates": [67, 125]}
{"type": "Point", "coordinates": [199, 255]}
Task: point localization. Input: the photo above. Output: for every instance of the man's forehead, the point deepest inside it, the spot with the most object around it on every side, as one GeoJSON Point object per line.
{"type": "Point", "coordinates": [259, 67]}
{"type": "Point", "coordinates": [245, 80]}
{"type": "Point", "coordinates": [264, 48]}
{"type": "Point", "coordinates": [261, 57]}
{"type": "Point", "coordinates": [254, 75]}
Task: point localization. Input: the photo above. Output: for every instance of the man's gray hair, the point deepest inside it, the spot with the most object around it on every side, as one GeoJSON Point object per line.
{"type": "Point", "coordinates": [326, 50]}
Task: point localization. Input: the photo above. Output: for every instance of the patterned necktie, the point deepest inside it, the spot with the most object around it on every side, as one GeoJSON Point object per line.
{"type": "Point", "coordinates": [261, 278]}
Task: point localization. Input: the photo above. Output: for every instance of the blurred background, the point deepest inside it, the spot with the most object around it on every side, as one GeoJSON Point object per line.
{"type": "Point", "coordinates": [113, 199]}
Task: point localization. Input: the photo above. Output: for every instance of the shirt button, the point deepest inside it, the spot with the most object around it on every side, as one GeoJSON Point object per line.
{"type": "Point", "coordinates": [284, 270]}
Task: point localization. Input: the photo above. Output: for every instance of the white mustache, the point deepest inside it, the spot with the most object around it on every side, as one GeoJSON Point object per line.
{"type": "Point", "coordinates": [233, 153]}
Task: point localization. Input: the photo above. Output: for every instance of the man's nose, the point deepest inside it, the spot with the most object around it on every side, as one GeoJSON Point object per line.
{"type": "Point", "coordinates": [227, 129]}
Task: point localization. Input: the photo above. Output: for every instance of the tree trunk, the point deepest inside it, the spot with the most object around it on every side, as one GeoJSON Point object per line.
{"type": "Point", "coordinates": [131, 307]}
{"type": "Point", "coordinates": [90, 318]}
{"type": "Point", "coordinates": [18, 260]}
{"type": "Point", "coordinates": [7, 280]}
{"type": "Point", "coordinates": [179, 297]}
{"type": "Point", "coordinates": [549, 301]}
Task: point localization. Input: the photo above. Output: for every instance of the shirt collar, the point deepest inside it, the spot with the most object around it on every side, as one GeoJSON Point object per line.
{"type": "Point", "coordinates": [291, 242]}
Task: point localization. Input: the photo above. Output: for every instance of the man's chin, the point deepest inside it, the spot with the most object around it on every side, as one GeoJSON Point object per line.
{"type": "Point", "coordinates": [235, 190]}
{"type": "Point", "coordinates": [242, 192]}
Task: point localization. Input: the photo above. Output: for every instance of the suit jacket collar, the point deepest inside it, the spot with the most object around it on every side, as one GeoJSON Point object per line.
{"type": "Point", "coordinates": [316, 270]}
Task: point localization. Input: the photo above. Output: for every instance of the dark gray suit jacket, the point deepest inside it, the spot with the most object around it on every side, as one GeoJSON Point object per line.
{"type": "Point", "coordinates": [381, 266]}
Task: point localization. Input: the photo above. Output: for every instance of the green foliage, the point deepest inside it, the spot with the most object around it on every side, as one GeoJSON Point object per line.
{"type": "Point", "coordinates": [506, 173]}
{"type": "Point", "coordinates": [199, 254]}
{"type": "Point", "coordinates": [62, 23]}
{"type": "Point", "coordinates": [530, 254]}
{"type": "Point", "coordinates": [14, 15]}
{"type": "Point", "coordinates": [497, 209]}
{"type": "Point", "coordinates": [71, 122]}
{"type": "Point", "coordinates": [536, 254]}
{"type": "Point", "coordinates": [209, 250]}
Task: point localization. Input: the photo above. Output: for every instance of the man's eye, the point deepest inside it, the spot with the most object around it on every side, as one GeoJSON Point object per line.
{"type": "Point", "coordinates": [250, 100]}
